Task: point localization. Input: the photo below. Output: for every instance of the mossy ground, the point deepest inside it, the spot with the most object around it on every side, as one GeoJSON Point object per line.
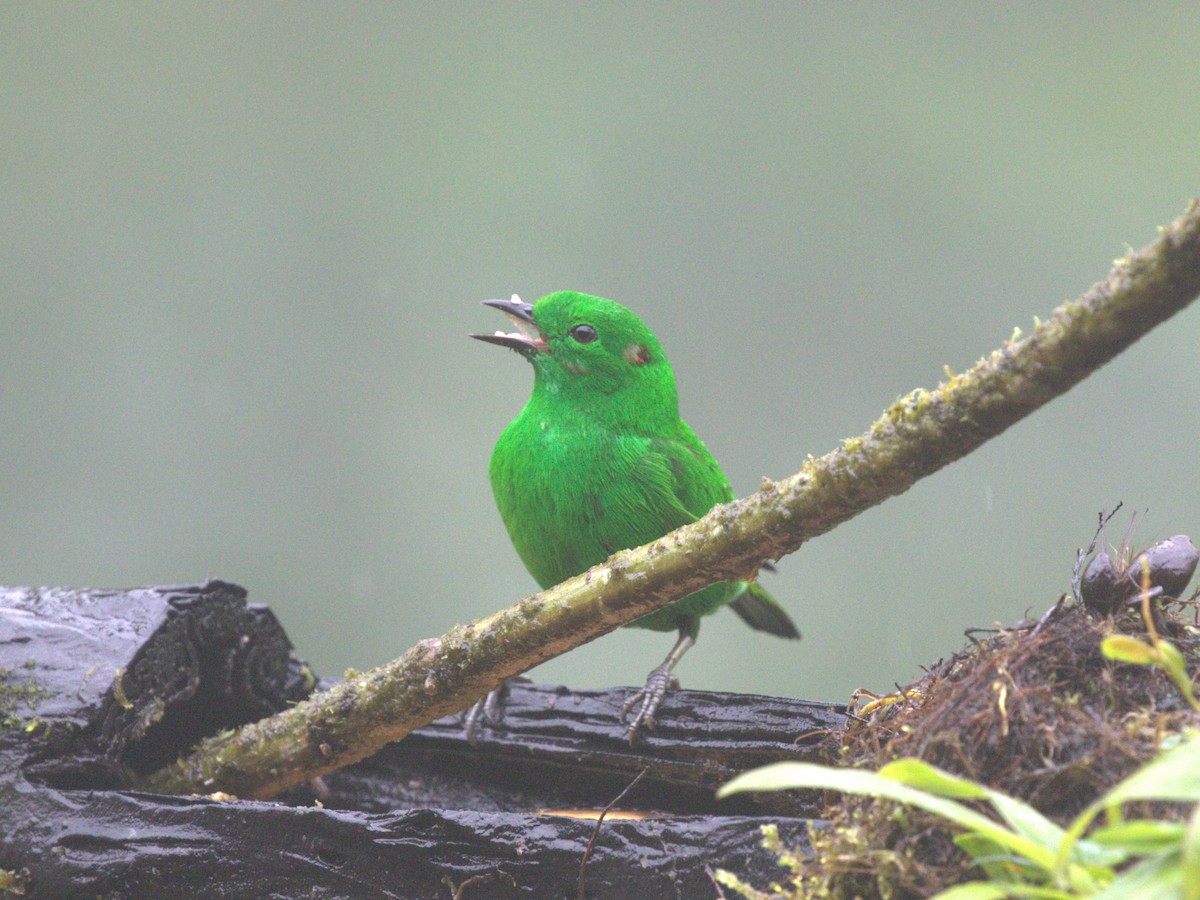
{"type": "Point", "coordinates": [1036, 711]}
{"type": "Point", "coordinates": [19, 693]}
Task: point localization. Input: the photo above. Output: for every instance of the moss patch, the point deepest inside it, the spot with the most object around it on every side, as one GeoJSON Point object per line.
{"type": "Point", "coordinates": [20, 693]}
{"type": "Point", "coordinates": [1035, 711]}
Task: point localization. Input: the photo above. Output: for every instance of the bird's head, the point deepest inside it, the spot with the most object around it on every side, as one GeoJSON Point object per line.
{"type": "Point", "coordinates": [590, 351]}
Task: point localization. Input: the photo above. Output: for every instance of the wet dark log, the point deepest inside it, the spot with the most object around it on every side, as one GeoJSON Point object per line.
{"type": "Point", "coordinates": [558, 748]}
{"type": "Point", "coordinates": [98, 686]}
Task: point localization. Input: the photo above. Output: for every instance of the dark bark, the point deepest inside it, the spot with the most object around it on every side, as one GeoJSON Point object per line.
{"type": "Point", "coordinates": [98, 687]}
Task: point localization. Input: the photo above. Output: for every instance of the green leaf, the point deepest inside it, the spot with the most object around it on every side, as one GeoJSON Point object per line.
{"type": "Point", "coordinates": [974, 890]}
{"type": "Point", "coordinates": [1172, 659]}
{"type": "Point", "coordinates": [790, 775]}
{"type": "Point", "coordinates": [987, 890]}
{"type": "Point", "coordinates": [1000, 865]}
{"type": "Point", "coordinates": [1173, 775]}
{"type": "Point", "coordinates": [919, 774]}
{"type": "Point", "coordinates": [1172, 662]}
{"type": "Point", "coordinates": [1124, 648]}
{"type": "Point", "coordinates": [1154, 878]}
{"type": "Point", "coordinates": [784, 776]}
{"type": "Point", "coordinates": [1020, 816]}
{"type": "Point", "coordinates": [1190, 863]}
{"type": "Point", "coordinates": [1140, 836]}
{"type": "Point", "coordinates": [1026, 820]}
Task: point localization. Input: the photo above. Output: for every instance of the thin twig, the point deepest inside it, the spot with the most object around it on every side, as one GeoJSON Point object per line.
{"type": "Point", "coordinates": [596, 833]}
{"type": "Point", "coordinates": [1082, 555]}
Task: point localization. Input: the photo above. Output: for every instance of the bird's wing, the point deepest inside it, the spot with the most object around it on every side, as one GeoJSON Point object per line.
{"type": "Point", "coordinates": [696, 480]}
{"type": "Point", "coordinates": [698, 485]}
{"type": "Point", "coordinates": [656, 485]}
{"type": "Point", "coordinates": [688, 473]}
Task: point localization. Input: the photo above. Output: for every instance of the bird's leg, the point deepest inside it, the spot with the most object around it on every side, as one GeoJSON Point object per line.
{"type": "Point", "coordinates": [490, 707]}
{"type": "Point", "coordinates": [658, 682]}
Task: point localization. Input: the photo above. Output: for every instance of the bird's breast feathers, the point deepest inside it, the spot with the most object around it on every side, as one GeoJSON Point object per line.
{"type": "Point", "coordinates": [570, 497]}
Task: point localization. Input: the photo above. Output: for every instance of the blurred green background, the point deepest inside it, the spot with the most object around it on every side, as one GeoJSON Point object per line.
{"type": "Point", "coordinates": [242, 245]}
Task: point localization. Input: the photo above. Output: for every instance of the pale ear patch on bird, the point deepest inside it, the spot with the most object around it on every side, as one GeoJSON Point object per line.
{"type": "Point", "coordinates": [636, 354]}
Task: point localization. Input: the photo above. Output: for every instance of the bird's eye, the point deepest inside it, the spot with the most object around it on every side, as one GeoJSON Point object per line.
{"type": "Point", "coordinates": [583, 334]}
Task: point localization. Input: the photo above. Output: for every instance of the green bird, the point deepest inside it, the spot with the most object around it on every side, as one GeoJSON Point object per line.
{"type": "Point", "coordinates": [599, 461]}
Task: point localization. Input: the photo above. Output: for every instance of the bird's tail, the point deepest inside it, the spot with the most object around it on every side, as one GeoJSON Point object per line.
{"type": "Point", "coordinates": [761, 611]}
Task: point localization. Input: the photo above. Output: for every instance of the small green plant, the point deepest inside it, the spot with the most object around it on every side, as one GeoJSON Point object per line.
{"type": "Point", "coordinates": [1155, 652]}
{"type": "Point", "coordinates": [17, 692]}
{"type": "Point", "coordinates": [1022, 852]}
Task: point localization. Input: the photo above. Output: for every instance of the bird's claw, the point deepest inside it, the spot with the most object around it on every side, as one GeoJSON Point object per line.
{"type": "Point", "coordinates": [648, 699]}
{"type": "Point", "coordinates": [489, 707]}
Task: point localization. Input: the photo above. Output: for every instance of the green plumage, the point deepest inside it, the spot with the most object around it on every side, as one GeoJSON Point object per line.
{"type": "Point", "coordinates": [599, 459]}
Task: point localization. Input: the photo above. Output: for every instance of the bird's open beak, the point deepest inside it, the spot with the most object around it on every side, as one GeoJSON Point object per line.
{"type": "Point", "coordinates": [527, 338]}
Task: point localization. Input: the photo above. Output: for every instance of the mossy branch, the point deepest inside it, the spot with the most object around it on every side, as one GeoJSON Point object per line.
{"type": "Point", "coordinates": [916, 436]}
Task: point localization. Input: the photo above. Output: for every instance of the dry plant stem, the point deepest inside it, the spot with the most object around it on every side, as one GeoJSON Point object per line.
{"type": "Point", "coordinates": [600, 821]}
{"type": "Point", "coordinates": [919, 434]}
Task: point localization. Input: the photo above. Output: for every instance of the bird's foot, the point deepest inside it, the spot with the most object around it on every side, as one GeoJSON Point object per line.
{"type": "Point", "coordinates": [489, 707]}
{"type": "Point", "coordinates": [648, 700]}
